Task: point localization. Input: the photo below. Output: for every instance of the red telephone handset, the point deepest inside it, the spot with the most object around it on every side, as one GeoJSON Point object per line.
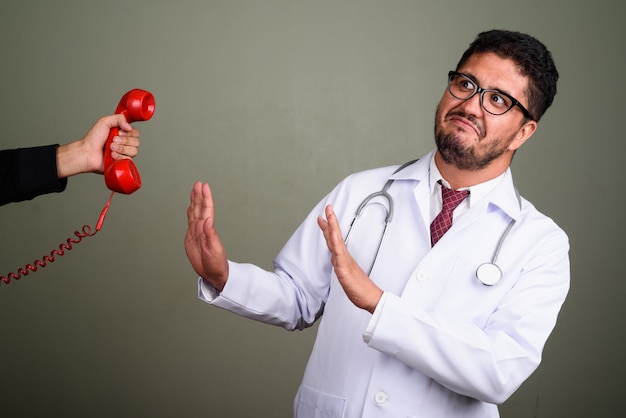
{"type": "Point", "coordinates": [122, 176]}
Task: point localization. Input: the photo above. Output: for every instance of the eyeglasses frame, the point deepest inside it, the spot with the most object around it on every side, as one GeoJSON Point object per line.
{"type": "Point", "coordinates": [482, 91]}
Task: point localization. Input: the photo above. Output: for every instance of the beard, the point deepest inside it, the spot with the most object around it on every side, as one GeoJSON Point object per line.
{"type": "Point", "coordinates": [472, 157]}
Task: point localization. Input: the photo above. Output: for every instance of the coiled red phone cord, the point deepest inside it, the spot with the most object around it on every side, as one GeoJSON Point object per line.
{"type": "Point", "coordinates": [85, 232]}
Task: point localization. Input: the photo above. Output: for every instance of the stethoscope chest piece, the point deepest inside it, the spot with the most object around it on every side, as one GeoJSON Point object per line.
{"type": "Point", "coordinates": [488, 274]}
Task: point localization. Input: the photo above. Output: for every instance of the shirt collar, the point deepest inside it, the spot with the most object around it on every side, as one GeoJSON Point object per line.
{"type": "Point", "coordinates": [477, 192]}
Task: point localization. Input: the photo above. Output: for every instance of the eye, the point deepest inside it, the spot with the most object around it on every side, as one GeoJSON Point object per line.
{"type": "Point", "coordinates": [498, 100]}
{"type": "Point", "coordinates": [465, 84]}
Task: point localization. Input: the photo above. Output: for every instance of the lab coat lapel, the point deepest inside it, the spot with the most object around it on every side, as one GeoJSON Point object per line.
{"type": "Point", "coordinates": [419, 172]}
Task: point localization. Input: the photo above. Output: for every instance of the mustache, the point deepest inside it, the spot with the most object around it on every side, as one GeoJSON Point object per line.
{"type": "Point", "coordinates": [471, 118]}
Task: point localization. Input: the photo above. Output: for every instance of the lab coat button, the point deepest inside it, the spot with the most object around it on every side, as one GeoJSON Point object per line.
{"type": "Point", "coordinates": [380, 398]}
{"type": "Point", "coordinates": [421, 276]}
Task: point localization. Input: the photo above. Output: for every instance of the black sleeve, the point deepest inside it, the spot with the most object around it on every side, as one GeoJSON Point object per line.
{"type": "Point", "coordinates": [29, 172]}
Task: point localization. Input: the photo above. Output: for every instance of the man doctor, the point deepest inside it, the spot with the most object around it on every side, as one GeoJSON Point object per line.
{"type": "Point", "coordinates": [407, 329]}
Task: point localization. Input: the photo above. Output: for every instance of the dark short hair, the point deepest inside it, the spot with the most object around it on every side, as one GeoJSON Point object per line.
{"type": "Point", "coordinates": [532, 57]}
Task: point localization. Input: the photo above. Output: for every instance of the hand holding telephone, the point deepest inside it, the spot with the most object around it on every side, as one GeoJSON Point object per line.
{"type": "Point", "coordinates": [121, 175]}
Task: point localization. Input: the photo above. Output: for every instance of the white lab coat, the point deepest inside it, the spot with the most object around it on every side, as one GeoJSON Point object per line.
{"type": "Point", "coordinates": [440, 344]}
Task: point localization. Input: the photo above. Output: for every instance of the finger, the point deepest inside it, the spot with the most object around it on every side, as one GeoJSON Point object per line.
{"type": "Point", "coordinates": [132, 132]}
{"type": "Point", "coordinates": [332, 235]}
{"type": "Point", "coordinates": [334, 231]}
{"type": "Point", "coordinates": [121, 122]}
{"type": "Point", "coordinates": [207, 210]}
{"type": "Point", "coordinates": [193, 212]}
{"type": "Point", "coordinates": [114, 121]}
{"type": "Point", "coordinates": [323, 226]}
{"type": "Point", "coordinates": [123, 151]}
{"type": "Point", "coordinates": [201, 206]}
{"type": "Point", "coordinates": [191, 209]}
{"type": "Point", "coordinates": [127, 139]}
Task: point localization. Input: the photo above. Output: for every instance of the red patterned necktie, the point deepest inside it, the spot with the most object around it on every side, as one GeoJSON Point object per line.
{"type": "Point", "coordinates": [443, 221]}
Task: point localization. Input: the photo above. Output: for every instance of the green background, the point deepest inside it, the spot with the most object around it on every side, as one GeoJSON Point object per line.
{"type": "Point", "coordinates": [273, 103]}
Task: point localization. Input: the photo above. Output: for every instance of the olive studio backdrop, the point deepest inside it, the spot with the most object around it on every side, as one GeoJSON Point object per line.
{"type": "Point", "coordinates": [273, 103]}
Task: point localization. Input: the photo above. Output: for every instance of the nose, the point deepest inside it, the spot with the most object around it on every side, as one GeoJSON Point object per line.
{"type": "Point", "coordinates": [473, 105]}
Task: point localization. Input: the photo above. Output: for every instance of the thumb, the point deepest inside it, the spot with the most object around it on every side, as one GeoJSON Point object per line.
{"type": "Point", "coordinates": [123, 124]}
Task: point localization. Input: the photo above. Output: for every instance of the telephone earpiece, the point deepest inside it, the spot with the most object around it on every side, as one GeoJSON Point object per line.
{"type": "Point", "coordinates": [122, 176]}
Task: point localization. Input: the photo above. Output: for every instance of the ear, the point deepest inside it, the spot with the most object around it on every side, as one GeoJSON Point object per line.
{"type": "Point", "coordinates": [525, 132]}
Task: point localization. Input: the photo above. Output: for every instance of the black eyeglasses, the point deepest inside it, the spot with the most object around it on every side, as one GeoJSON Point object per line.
{"type": "Point", "coordinates": [463, 87]}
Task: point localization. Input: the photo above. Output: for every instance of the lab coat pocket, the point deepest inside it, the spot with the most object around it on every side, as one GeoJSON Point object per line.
{"type": "Point", "coordinates": [464, 297]}
{"type": "Point", "coordinates": [313, 403]}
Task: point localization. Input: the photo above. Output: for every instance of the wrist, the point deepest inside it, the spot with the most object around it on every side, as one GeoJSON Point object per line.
{"type": "Point", "coordinates": [377, 294]}
{"type": "Point", "coordinates": [71, 159]}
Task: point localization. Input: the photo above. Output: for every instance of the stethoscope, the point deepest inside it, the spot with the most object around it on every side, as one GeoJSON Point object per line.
{"type": "Point", "coordinates": [488, 273]}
